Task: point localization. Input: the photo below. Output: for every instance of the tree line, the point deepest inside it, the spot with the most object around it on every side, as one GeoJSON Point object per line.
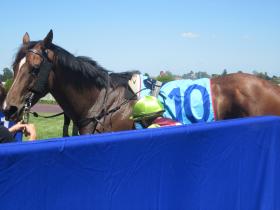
{"type": "Point", "coordinates": [166, 76]}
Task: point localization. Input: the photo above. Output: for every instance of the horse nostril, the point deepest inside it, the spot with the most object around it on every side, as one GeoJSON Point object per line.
{"type": "Point", "coordinates": [9, 111]}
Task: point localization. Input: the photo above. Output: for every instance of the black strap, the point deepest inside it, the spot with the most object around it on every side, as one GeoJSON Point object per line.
{"type": "Point", "coordinates": [96, 119]}
{"type": "Point", "coordinates": [41, 84]}
{"type": "Point", "coordinates": [35, 114]}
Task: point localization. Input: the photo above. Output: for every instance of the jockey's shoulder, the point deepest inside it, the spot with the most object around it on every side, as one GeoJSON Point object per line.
{"type": "Point", "coordinates": [162, 121]}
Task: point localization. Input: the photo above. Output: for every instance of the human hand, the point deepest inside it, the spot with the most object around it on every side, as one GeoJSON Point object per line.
{"type": "Point", "coordinates": [30, 131]}
{"type": "Point", "coordinates": [17, 127]}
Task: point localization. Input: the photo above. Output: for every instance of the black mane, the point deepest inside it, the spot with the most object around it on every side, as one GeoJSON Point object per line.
{"type": "Point", "coordinates": [81, 66]}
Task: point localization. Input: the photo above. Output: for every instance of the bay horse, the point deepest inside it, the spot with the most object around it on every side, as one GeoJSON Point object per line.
{"type": "Point", "coordinates": [98, 100]}
{"type": "Point", "coordinates": [81, 87]}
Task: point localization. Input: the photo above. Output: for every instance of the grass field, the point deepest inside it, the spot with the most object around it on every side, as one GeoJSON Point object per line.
{"type": "Point", "coordinates": [48, 128]}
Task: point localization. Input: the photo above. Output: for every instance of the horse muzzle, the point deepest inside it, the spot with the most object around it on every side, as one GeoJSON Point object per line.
{"type": "Point", "coordinates": [12, 113]}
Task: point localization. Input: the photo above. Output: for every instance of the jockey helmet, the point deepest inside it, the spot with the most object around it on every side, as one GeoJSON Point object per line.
{"type": "Point", "coordinates": [147, 107]}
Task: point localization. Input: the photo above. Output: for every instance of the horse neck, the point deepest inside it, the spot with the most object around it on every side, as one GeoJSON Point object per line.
{"type": "Point", "coordinates": [108, 99]}
{"type": "Point", "coordinates": [112, 110]}
{"type": "Point", "coordinates": [74, 100]}
{"type": "Point", "coordinates": [83, 101]}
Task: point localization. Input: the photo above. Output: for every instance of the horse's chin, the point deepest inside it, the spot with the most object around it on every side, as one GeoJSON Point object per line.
{"type": "Point", "coordinates": [16, 116]}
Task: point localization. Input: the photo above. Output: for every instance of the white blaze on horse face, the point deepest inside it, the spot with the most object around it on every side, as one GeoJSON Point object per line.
{"type": "Point", "coordinates": [4, 105]}
{"type": "Point", "coordinates": [22, 61]}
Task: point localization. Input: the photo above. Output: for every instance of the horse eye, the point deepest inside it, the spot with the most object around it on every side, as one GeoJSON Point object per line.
{"type": "Point", "coordinates": [34, 71]}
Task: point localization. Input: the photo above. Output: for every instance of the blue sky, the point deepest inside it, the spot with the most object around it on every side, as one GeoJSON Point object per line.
{"type": "Point", "coordinates": [152, 35]}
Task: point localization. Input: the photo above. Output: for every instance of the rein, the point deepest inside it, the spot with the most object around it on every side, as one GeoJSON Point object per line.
{"type": "Point", "coordinates": [154, 86]}
{"type": "Point", "coordinates": [35, 114]}
{"type": "Point", "coordinates": [96, 119]}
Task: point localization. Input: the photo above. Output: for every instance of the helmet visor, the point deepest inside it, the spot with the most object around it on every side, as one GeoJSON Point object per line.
{"type": "Point", "coordinates": [139, 117]}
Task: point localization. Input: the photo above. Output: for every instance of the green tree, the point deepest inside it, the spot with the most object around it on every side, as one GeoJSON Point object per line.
{"type": "Point", "coordinates": [190, 75]}
{"type": "Point", "coordinates": [7, 74]}
{"type": "Point", "coordinates": [215, 75]}
{"type": "Point", "coordinates": [224, 72]}
{"type": "Point", "coordinates": [8, 84]}
{"type": "Point", "coordinates": [201, 74]}
{"type": "Point", "coordinates": [275, 79]}
{"type": "Point", "coordinates": [262, 75]}
{"type": "Point", "coordinates": [165, 77]}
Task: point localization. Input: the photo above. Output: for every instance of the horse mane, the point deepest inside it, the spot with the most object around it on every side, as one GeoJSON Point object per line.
{"type": "Point", "coordinates": [90, 70]}
{"type": "Point", "coordinates": [121, 79]}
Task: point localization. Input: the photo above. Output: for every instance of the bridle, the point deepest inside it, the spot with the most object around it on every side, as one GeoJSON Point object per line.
{"type": "Point", "coordinates": [41, 73]}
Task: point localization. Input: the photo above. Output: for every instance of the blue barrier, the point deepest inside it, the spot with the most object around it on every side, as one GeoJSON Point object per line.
{"type": "Point", "coordinates": [223, 165]}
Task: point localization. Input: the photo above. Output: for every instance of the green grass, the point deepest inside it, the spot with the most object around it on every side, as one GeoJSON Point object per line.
{"type": "Point", "coordinates": [41, 101]}
{"type": "Point", "coordinates": [48, 128]}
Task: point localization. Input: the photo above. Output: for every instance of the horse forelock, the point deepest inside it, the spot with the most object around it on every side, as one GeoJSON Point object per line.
{"type": "Point", "coordinates": [22, 53]}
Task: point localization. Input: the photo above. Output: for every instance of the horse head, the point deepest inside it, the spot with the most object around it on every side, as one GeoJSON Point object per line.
{"type": "Point", "coordinates": [31, 69]}
{"type": "Point", "coordinates": [85, 90]}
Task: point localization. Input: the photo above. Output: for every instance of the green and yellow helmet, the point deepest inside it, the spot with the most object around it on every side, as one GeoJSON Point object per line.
{"type": "Point", "coordinates": [146, 107]}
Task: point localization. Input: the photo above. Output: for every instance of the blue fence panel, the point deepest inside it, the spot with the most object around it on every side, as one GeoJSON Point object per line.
{"type": "Point", "coordinates": [225, 165]}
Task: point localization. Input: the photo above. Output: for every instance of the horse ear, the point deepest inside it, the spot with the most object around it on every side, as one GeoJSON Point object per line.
{"type": "Point", "coordinates": [48, 39]}
{"type": "Point", "coordinates": [26, 38]}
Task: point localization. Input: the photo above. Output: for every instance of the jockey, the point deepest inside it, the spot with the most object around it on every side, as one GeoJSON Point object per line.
{"type": "Point", "coordinates": [147, 113]}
